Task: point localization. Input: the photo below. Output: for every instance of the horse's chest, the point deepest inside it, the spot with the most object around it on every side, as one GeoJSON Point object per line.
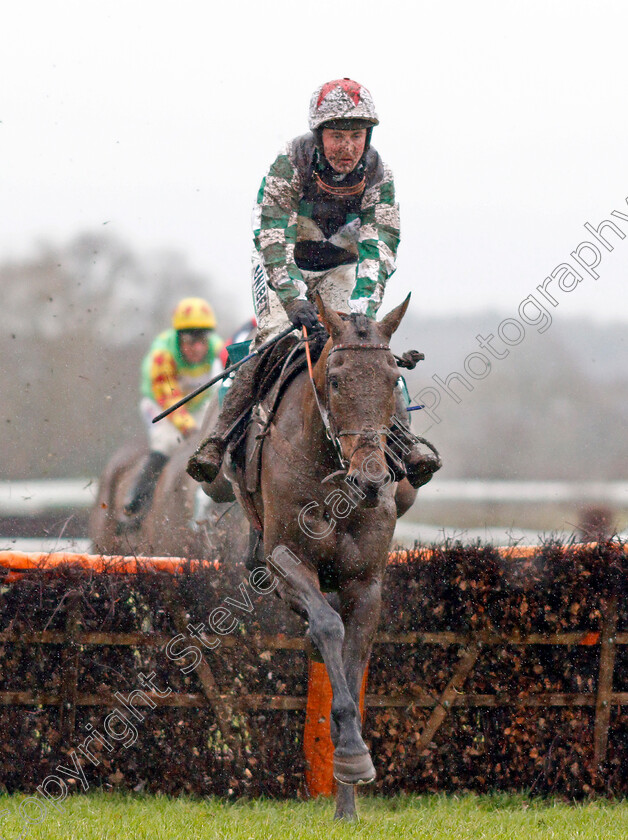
{"type": "Point", "coordinates": [342, 529]}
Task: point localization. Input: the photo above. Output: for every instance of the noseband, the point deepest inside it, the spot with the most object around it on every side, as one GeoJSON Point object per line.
{"type": "Point", "coordinates": [366, 437]}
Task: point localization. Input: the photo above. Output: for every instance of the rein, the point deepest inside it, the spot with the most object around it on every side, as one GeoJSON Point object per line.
{"type": "Point", "coordinates": [366, 437]}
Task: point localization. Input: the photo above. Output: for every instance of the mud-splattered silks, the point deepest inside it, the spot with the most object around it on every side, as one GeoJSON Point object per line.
{"type": "Point", "coordinates": [300, 228]}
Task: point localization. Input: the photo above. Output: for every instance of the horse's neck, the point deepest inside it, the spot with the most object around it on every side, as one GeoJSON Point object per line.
{"type": "Point", "coordinates": [314, 432]}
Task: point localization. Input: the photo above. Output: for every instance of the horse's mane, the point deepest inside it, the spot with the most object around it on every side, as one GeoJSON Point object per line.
{"type": "Point", "coordinates": [362, 325]}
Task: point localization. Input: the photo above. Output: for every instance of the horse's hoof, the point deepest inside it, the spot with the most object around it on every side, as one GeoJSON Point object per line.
{"type": "Point", "coordinates": [354, 769]}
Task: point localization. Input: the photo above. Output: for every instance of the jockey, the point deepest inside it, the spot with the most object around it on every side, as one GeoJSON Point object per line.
{"type": "Point", "coordinates": [243, 333]}
{"type": "Point", "coordinates": [179, 360]}
{"type": "Point", "coordinates": [326, 221]}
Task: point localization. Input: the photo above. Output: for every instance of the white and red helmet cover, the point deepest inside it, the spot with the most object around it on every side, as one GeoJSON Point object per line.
{"type": "Point", "coordinates": [342, 99]}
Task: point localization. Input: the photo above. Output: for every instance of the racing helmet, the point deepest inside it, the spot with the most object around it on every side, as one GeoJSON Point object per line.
{"type": "Point", "coordinates": [193, 314]}
{"type": "Point", "coordinates": [345, 103]}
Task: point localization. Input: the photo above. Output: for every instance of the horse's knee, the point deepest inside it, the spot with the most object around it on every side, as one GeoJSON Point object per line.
{"type": "Point", "coordinates": [326, 628]}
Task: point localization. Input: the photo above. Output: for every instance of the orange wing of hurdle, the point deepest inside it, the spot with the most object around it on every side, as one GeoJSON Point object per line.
{"type": "Point", "coordinates": [317, 746]}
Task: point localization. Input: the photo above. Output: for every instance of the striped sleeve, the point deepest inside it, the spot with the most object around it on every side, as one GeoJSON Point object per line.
{"type": "Point", "coordinates": [377, 245]}
{"type": "Point", "coordinates": [167, 390]}
{"type": "Point", "coordinates": [275, 227]}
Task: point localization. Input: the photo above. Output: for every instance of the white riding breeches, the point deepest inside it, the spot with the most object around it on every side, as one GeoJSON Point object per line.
{"type": "Point", "coordinates": [334, 286]}
{"type": "Point", "coordinates": [163, 436]}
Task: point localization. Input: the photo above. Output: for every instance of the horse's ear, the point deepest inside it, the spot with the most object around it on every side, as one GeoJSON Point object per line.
{"type": "Point", "coordinates": [390, 322]}
{"type": "Point", "coordinates": [330, 318]}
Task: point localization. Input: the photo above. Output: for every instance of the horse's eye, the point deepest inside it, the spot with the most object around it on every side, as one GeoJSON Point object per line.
{"type": "Point", "coordinates": [333, 383]}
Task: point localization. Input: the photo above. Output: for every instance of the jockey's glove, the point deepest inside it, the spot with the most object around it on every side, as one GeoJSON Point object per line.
{"type": "Point", "coordinates": [302, 313]}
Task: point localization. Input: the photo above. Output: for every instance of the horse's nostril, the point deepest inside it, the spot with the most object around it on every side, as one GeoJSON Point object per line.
{"type": "Point", "coordinates": [366, 489]}
{"type": "Point", "coordinates": [355, 479]}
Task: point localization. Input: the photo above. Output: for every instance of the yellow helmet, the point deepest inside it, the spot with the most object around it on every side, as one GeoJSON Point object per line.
{"type": "Point", "coordinates": [193, 314]}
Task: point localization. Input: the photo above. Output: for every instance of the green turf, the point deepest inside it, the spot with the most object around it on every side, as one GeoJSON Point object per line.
{"type": "Point", "coordinates": [120, 817]}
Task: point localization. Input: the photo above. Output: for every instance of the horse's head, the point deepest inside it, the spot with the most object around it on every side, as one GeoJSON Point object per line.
{"type": "Point", "coordinates": [356, 376]}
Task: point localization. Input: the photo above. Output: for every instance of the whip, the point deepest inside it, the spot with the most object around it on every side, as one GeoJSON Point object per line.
{"type": "Point", "coordinates": [222, 375]}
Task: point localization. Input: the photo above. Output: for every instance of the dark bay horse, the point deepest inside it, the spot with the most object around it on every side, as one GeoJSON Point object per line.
{"type": "Point", "coordinates": [327, 507]}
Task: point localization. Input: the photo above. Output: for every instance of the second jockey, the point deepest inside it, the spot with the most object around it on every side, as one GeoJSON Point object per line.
{"type": "Point", "coordinates": [179, 360]}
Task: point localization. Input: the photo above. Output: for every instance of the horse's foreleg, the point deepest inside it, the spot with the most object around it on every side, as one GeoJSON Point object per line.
{"type": "Point", "coordinates": [360, 608]}
{"type": "Point", "coordinates": [299, 587]}
{"type": "Point", "coordinates": [352, 761]}
{"type": "Point", "coordinates": [345, 802]}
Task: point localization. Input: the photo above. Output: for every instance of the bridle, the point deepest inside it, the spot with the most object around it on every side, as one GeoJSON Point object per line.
{"type": "Point", "coordinates": [365, 437]}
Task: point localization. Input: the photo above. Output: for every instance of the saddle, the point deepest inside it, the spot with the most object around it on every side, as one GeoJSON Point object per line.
{"type": "Point", "coordinates": [276, 368]}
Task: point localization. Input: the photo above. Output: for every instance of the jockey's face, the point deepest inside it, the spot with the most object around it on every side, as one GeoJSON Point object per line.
{"type": "Point", "coordinates": [193, 345]}
{"type": "Point", "coordinates": [343, 149]}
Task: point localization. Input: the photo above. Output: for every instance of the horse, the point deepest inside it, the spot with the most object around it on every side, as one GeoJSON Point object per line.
{"type": "Point", "coordinates": [328, 530]}
{"type": "Point", "coordinates": [181, 521]}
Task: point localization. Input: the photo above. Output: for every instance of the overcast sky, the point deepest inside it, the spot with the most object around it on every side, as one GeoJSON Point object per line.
{"type": "Point", "coordinates": [505, 123]}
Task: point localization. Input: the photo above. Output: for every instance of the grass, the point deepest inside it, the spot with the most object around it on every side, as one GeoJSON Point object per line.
{"type": "Point", "coordinates": [468, 817]}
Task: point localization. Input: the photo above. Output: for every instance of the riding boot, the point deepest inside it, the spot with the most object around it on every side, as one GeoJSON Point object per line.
{"type": "Point", "coordinates": [142, 494]}
{"type": "Point", "coordinates": [408, 453]}
{"type": "Point", "coordinates": [204, 465]}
